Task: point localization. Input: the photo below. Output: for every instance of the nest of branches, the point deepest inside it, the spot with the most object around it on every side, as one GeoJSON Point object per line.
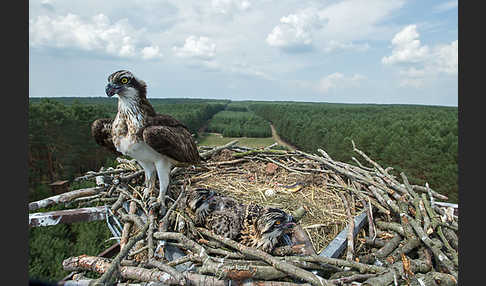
{"type": "Point", "coordinates": [395, 233]}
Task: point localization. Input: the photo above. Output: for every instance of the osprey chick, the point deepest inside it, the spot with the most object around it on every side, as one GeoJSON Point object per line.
{"type": "Point", "coordinates": [250, 224]}
{"type": "Point", "coordinates": [156, 141]}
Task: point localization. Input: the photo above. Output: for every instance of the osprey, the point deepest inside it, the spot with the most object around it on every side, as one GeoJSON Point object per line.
{"type": "Point", "coordinates": [156, 141]}
{"type": "Point", "coordinates": [250, 224]}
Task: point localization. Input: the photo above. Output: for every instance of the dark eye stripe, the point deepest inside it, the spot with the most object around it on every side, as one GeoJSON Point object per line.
{"type": "Point", "coordinates": [119, 74]}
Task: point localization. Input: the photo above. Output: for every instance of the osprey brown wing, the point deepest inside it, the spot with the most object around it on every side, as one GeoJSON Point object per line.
{"type": "Point", "coordinates": [101, 131]}
{"type": "Point", "coordinates": [174, 142]}
{"type": "Point", "coordinates": [164, 120]}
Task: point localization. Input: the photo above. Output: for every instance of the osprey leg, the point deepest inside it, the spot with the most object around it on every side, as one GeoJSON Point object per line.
{"type": "Point", "coordinates": [163, 171]}
{"type": "Point", "coordinates": [149, 169]}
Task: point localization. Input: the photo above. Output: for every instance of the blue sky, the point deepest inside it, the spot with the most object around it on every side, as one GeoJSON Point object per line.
{"type": "Point", "coordinates": [351, 51]}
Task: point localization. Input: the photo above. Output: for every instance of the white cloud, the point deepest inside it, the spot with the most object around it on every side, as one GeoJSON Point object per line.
{"type": "Point", "coordinates": [447, 57]}
{"type": "Point", "coordinates": [332, 27]}
{"type": "Point", "coordinates": [229, 6]}
{"type": "Point", "coordinates": [151, 52]}
{"type": "Point", "coordinates": [407, 47]}
{"type": "Point", "coordinates": [338, 80]}
{"type": "Point", "coordinates": [97, 34]}
{"type": "Point", "coordinates": [417, 63]}
{"type": "Point", "coordinates": [353, 20]}
{"type": "Point", "coordinates": [196, 47]}
{"type": "Point", "coordinates": [295, 30]}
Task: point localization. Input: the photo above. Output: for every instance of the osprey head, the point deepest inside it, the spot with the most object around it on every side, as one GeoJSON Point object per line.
{"type": "Point", "coordinates": [272, 226]}
{"type": "Point", "coordinates": [124, 83]}
{"type": "Point", "coordinates": [199, 202]}
{"type": "Point", "coordinates": [200, 198]}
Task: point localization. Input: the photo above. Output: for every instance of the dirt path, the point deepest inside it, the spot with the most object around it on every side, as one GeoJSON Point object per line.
{"type": "Point", "coordinates": [279, 140]}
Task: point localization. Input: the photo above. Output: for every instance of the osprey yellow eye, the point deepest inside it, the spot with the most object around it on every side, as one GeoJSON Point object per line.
{"type": "Point", "coordinates": [124, 80]}
{"type": "Point", "coordinates": [277, 222]}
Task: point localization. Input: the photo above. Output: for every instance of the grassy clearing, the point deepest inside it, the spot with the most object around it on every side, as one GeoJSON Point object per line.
{"type": "Point", "coordinates": [213, 139]}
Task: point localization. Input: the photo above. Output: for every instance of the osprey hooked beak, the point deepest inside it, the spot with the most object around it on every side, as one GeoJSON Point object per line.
{"type": "Point", "coordinates": [112, 89]}
{"type": "Point", "coordinates": [289, 223]}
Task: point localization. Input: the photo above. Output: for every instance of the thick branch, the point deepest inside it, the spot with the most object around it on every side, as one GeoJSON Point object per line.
{"type": "Point", "coordinates": [395, 270]}
{"type": "Point", "coordinates": [64, 198]}
{"type": "Point", "coordinates": [208, 154]}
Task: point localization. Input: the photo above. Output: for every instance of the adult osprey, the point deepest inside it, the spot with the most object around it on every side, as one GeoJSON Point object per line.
{"type": "Point", "coordinates": [156, 141]}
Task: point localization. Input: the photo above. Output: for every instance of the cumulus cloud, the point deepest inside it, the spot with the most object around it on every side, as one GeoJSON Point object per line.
{"type": "Point", "coordinates": [151, 52]}
{"type": "Point", "coordinates": [96, 34]}
{"type": "Point", "coordinates": [417, 62]}
{"type": "Point", "coordinates": [447, 57]}
{"type": "Point", "coordinates": [340, 25]}
{"type": "Point", "coordinates": [196, 47]}
{"type": "Point", "coordinates": [407, 47]}
{"type": "Point", "coordinates": [338, 80]}
{"type": "Point", "coordinates": [295, 31]}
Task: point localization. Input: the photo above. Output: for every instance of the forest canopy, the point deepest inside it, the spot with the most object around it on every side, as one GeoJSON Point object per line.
{"type": "Point", "coordinates": [421, 141]}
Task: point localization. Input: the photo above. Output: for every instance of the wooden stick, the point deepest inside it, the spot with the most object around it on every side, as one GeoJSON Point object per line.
{"type": "Point", "coordinates": [128, 225]}
{"type": "Point", "coordinates": [208, 154]}
{"type": "Point", "coordinates": [168, 269]}
{"type": "Point", "coordinates": [388, 276]}
{"type": "Point", "coordinates": [396, 227]}
{"type": "Point", "coordinates": [405, 248]}
{"type": "Point", "coordinates": [290, 269]}
{"type": "Point", "coordinates": [132, 176]}
{"type": "Point", "coordinates": [230, 162]}
{"type": "Point", "coordinates": [350, 235]}
{"type": "Point", "coordinates": [67, 216]}
{"type": "Point", "coordinates": [361, 267]}
{"type": "Point", "coordinates": [64, 198]}
{"type": "Point", "coordinates": [337, 245]}
{"type": "Point", "coordinates": [383, 252]}
{"type": "Point", "coordinates": [416, 198]}
{"type": "Point", "coordinates": [258, 151]}
{"type": "Point", "coordinates": [437, 252]}
{"type": "Point", "coordinates": [376, 165]}
{"type": "Point", "coordinates": [434, 193]}
{"type": "Point", "coordinates": [101, 265]}
{"type": "Point", "coordinates": [123, 253]}
{"type": "Point", "coordinates": [285, 167]}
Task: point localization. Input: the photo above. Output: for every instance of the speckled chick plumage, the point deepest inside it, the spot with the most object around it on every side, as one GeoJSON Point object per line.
{"type": "Point", "coordinates": [250, 224]}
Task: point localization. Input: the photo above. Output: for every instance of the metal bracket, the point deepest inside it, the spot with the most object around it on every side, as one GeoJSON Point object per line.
{"type": "Point", "coordinates": [113, 224]}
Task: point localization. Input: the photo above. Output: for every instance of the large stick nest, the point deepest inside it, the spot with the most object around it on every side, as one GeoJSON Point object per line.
{"type": "Point", "coordinates": [409, 235]}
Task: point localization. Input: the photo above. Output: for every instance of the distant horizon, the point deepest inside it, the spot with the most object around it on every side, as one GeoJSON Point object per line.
{"type": "Point", "coordinates": [238, 100]}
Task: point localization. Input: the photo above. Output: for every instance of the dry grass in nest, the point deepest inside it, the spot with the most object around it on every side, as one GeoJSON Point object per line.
{"type": "Point", "coordinates": [248, 182]}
